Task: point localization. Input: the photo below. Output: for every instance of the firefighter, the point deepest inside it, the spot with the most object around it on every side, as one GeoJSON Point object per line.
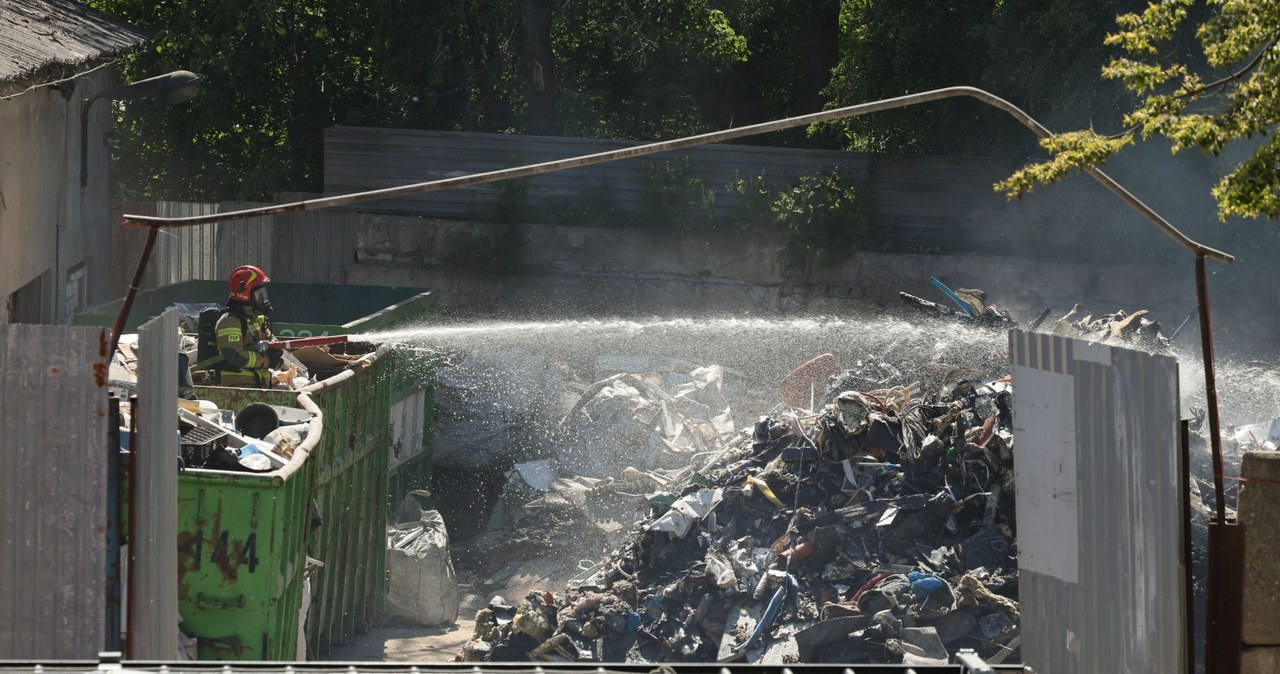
{"type": "Point", "coordinates": [243, 334]}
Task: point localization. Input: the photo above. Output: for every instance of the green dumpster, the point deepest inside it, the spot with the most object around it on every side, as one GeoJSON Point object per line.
{"type": "Point", "coordinates": [310, 310]}
{"type": "Point", "coordinates": [244, 539]}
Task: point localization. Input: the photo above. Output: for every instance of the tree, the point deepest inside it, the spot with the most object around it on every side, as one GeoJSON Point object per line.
{"type": "Point", "coordinates": [1234, 96]}
{"type": "Point", "coordinates": [1040, 54]}
{"type": "Point", "coordinates": [638, 69]}
{"type": "Point", "coordinates": [538, 63]}
{"type": "Point", "coordinates": [281, 71]}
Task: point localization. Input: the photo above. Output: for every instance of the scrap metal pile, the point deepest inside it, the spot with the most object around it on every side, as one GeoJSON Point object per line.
{"type": "Point", "coordinates": [877, 529]}
{"type": "Point", "coordinates": [1120, 328]}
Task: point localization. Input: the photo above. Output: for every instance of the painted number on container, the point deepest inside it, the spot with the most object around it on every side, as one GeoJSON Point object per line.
{"type": "Point", "coordinates": [221, 553]}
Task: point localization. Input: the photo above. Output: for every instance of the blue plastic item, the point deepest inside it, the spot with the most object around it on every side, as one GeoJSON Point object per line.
{"type": "Point", "coordinates": [964, 306]}
{"type": "Point", "coordinates": [925, 584]}
{"type": "Point", "coordinates": [771, 612]}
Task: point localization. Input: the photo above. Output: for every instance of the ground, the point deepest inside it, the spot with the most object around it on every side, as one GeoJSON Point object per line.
{"type": "Point", "coordinates": [480, 578]}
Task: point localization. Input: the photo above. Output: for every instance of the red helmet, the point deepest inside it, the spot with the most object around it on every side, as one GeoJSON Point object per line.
{"type": "Point", "coordinates": [244, 280]}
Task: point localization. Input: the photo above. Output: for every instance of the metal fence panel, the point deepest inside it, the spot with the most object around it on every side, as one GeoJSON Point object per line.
{"type": "Point", "coordinates": [293, 248]}
{"type": "Point", "coordinates": [311, 247]}
{"type": "Point", "coordinates": [209, 251]}
{"type": "Point", "coordinates": [1100, 531]}
{"type": "Point", "coordinates": [52, 492]}
{"type": "Point", "coordinates": [909, 199]}
{"type": "Point", "coordinates": [975, 666]}
{"type": "Point", "coordinates": [153, 609]}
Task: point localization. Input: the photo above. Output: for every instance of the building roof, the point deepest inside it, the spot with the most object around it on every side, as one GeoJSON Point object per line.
{"type": "Point", "coordinates": [45, 40]}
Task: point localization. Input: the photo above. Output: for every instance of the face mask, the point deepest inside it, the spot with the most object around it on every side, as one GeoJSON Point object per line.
{"type": "Point", "coordinates": [260, 301]}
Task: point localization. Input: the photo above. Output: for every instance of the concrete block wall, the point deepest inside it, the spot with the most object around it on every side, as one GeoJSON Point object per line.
{"type": "Point", "coordinates": [1259, 510]}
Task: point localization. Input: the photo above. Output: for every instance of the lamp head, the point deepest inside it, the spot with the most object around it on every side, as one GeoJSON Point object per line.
{"type": "Point", "coordinates": [170, 88]}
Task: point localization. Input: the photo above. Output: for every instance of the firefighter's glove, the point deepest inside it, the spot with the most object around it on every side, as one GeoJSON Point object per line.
{"type": "Point", "coordinates": [275, 358]}
{"type": "Point", "coordinates": [262, 347]}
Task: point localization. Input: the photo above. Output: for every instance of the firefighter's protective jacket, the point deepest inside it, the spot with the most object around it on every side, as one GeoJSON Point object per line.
{"type": "Point", "coordinates": [242, 363]}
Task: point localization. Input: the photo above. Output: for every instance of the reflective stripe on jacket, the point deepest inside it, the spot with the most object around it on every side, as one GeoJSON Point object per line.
{"type": "Point", "coordinates": [242, 365]}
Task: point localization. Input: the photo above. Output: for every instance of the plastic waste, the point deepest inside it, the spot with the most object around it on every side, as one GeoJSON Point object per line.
{"type": "Point", "coordinates": [924, 584]}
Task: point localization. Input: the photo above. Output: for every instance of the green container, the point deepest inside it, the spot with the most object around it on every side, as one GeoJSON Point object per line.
{"type": "Point", "coordinates": [301, 309]}
{"type": "Point", "coordinates": [312, 310]}
{"type": "Point", "coordinates": [244, 538]}
{"type": "Point", "coordinates": [241, 553]}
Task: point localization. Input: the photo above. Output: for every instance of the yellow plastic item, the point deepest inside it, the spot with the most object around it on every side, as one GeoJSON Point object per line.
{"type": "Point", "coordinates": [764, 489]}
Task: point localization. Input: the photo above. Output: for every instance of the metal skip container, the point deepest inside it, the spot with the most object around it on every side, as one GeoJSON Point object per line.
{"type": "Point", "coordinates": [244, 539]}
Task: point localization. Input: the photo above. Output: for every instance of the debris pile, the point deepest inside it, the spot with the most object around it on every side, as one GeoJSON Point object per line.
{"type": "Point", "coordinates": [1116, 329]}
{"type": "Point", "coordinates": [1120, 328]}
{"type": "Point", "coordinates": [878, 529]}
{"type": "Point", "coordinates": [256, 437]}
{"type": "Point", "coordinates": [971, 306]}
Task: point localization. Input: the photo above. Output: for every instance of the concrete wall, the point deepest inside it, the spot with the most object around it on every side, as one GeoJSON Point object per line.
{"type": "Point", "coordinates": [571, 271]}
{"type": "Point", "coordinates": [1259, 508]}
{"type": "Point", "coordinates": [47, 223]}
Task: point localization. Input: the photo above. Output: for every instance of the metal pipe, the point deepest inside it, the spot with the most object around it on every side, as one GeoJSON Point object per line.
{"type": "Point", "coordinates": [112, 586]}
{"type": "Point", "coordinates": [132, 610]}
{"type": "Point", "coordinates": [1189, 584]}
{"type": "Point", "coordinates": [676, 144]}
{"type": "Point", "coordinates": [1224, 583]}
{"type": "Point", "coordinates": [1223, 597]}
{"type": "Point", "coordinates": [1210, 385]}
{"type": "Point", "coordinates": [117, 328]}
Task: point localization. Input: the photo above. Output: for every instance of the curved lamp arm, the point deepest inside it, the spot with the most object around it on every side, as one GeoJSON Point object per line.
{"type": "Point", "coordinates": [689, 141]}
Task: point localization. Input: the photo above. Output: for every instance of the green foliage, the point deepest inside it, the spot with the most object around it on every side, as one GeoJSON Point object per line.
{"type": "Point", "coordinates": [280, 71]}
{"type": "Point", "coordinates": [512, 204]}
{"type": "Point", "coordinates": [498, 253]}
{"type": "Point", "coordinates": [752, 203]}
{"type": "Point", "coordinates": [635, 69]}
{"type": "Point", "coordinates": [1237, 99]}
{"type": "Point", "coordinates": [821, 218]}
{"type": "Point", "coordinates": [671, 197]}
{"type": "Point", "coordinates": [1071, 151]}
{"type": "Point", "coordinates": [1042, 56]}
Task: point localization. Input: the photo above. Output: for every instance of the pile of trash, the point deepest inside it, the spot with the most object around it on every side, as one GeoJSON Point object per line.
{"type": "Point", "coordinates": [1121, 328]}
{"type": "Point", "coordinates": [971, 307]}
{"type": "Point", "coordinates": [1135, 329]}
{"type": "Point", "coordinates": [254, 437]}
{"type": "Point", "coordinates": [879, 528]}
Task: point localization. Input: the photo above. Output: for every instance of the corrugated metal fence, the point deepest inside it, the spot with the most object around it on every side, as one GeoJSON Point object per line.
{"type": "Point", "coordinates": [1100, 514]}
{"type": "Point", "coordinates": [52, 492]}
{"type": "Point", "coordinates": [909, 199]}
{"type": "Point", "coordinates": [293, 248]}
{"type": "Point", "coordinates": [153, 575]}
{"type": "Point", "coordinates": [944, 203]}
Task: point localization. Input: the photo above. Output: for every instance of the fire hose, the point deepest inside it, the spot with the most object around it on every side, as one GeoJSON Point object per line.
{"type": "Point", "coordinates": [300, 342]}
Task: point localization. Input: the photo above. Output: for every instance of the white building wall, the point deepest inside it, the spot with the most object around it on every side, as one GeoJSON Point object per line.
{"type": "Point", "coordinates": [42, 207]}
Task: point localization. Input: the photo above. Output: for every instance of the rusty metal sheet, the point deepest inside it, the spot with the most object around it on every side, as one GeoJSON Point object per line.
{"type": "Point", "coordinates": [53, 412]}
{"type": "Point", "coordinates": [1102, 576]}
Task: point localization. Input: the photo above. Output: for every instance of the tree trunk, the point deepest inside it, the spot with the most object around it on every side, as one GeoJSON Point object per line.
{"type": "Point", "coordinates": [823, 49]}
{"type": "Point", "coordinates": [538, 65]}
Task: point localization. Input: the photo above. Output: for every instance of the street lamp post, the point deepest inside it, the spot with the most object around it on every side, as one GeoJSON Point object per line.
{"type": "Point", "coordinates": [171, 88]}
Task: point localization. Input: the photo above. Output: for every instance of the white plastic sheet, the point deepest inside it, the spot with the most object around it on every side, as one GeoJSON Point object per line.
{"type": "Point", "coordinates": [687, 510]}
